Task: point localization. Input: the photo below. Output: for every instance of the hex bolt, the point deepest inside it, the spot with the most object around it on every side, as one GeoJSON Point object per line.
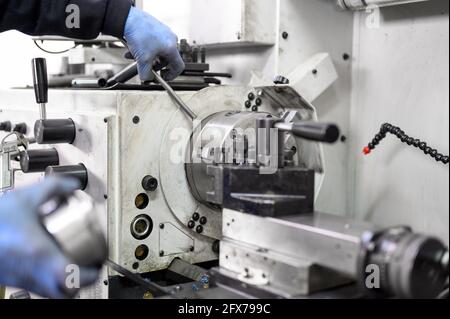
{"type": "Point", "coordinates": [161, 253]}
{"type": "Point", "coordinates": [191, 224]}
{"type": "Point", "coordinates": [196, 216]}
{"type": "Point", "coordinates": [192, 248]}
{"type": "Point", "coordinates": [203, 220]}
{"type": "Point", "coordinates": [136, 120]}
{"type": "Point", "coordinates": [199, 229]}
{"type": "Point", "coordinates": [258, 102]}
{"type": "Point", "coordinates": [255, 108]}
{"type": "Point", "coordinates": [285, 35]}
{"type": "Point", "coordinates": [251, 96]}
{"type": "Point", "coordinates": [161, 226]}
{"type": "Point", "coordinates": [314, 71]}
{"type": "Point", "coordinates": [248, 104]}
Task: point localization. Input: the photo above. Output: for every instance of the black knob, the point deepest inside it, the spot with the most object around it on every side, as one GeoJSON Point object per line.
{"type": "Point", "coordinates": [37, 161]}
{"type": "Point", "coordinates": [320, 132]}
{"type": "Point", "coordinates": [20, 128]}
{"type": "Point", "coordinates": [6, 126]}
{"type": "Point", "coordinates": [203, 220]}
{"type": "Point", "coordinates": [40, 80]}
{"type": "Point", "coordinates": [149, 183]}
{"type": "Point", "coordinates": [196, 216]}
{"type": "Point", "coordinates": [55, 131]}
{"type": "Point", "coordinates": [191, 224]}
{"type": "Point", "coordinates": [78, 172]}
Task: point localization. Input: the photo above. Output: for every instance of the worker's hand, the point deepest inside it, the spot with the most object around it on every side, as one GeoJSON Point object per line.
{"type": "Point", "coordinates": [29, 258]}
{"type": "Point", "coordinates": [151, 42]}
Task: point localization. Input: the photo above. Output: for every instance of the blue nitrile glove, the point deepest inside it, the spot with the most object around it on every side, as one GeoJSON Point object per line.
{"type": "Point", "coordinates": [29, 258]}
{"type": "Point", "coordinates": [150, 41]}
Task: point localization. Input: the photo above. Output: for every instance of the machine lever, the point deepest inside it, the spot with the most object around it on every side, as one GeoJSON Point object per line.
{"type": "Point", "coordinates": [124, 76]}
{"type": "Point", "coordinates": [48, 131]}
{"type": "Point", "coordinates": [175, 96]}
{"type": "Point", "coordinates": [319, 132]}
{"type": "Point", "coordinates": [132, 70]}
{"type": "Point", "coordinates": [40, 83]}
{"type": "Point", "coordinates": [135, 277]}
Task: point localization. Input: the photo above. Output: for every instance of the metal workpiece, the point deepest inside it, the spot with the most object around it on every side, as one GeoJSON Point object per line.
{"type": "Point", "coordinates": [75, 225]}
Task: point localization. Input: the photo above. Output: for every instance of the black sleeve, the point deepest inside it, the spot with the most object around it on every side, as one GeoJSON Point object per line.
{"type": "Point", "coordinates": [49, 17]}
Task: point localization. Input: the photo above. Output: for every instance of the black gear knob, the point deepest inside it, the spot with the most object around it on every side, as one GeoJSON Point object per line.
{"type": "Point", "coordinates": [78, 172]}
{"type": "Point", "coordinates": [320, 132]}
{"type": "Point", "coordinates": [313, 131]}
{"type": "Point", "coordinates": [55, 131]}
{"type": "Point", "coordinates": [36, 161]}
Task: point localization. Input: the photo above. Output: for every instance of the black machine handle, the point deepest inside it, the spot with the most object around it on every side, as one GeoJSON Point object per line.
{"type": "Point", "coordinates": [125, 75]}
{"type": "Point", "coordinates": [36, 161]}
{"type": "Point", "coordinates": [319, 132]}
{"type": "Point", "coordinates": [40, 80]}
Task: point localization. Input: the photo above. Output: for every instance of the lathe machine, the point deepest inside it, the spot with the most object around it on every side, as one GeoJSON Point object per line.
{"type": "Point", "coordinates": [219, 206]}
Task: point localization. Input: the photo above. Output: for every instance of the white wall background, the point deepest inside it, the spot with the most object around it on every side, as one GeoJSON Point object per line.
{"type": "Point", "coordinates": [401, 75]}
{"type": "Point", "coordinates": [16, 52]}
